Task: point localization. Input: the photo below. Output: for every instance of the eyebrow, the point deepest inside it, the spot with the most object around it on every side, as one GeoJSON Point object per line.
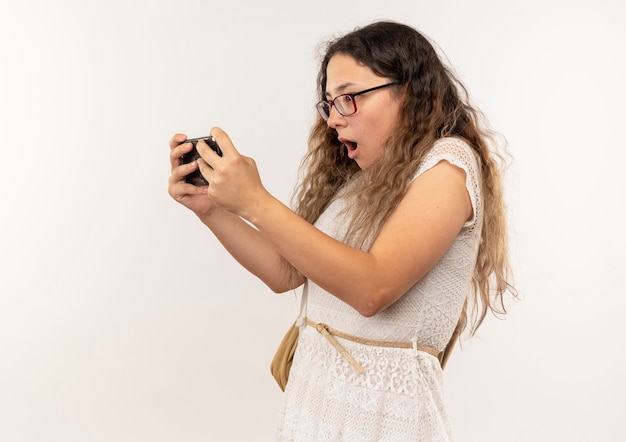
{"type": "Point", "coordinates": [340, 89]}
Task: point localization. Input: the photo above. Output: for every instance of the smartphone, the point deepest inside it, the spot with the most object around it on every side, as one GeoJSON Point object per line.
{"type": "Point", "coordinates": [196, 177]}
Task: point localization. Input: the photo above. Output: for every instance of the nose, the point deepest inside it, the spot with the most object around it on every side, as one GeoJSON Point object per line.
{"type": "Point", "coordinates": [335, 118]}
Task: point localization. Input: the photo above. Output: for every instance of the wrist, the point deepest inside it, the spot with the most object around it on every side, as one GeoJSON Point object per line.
{"type": "Point", "coordinates": [211, 215]}
{"type": "Point", "coordinates": [259, 208]}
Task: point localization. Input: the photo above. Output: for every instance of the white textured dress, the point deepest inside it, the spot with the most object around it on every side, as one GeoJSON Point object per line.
{"type": "Point", "coordinates": [399, 397]}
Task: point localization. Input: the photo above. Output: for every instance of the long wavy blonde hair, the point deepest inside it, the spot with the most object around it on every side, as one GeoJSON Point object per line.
{"type": "Point", "coordinates": [435, 105]}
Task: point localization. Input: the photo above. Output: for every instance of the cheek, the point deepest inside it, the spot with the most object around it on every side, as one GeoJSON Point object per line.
{"type": "Point", "coordinates": [385, 129]}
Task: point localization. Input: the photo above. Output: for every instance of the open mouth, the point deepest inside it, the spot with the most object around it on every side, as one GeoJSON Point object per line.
{"type": "Point", "coordinates": [351, 145]}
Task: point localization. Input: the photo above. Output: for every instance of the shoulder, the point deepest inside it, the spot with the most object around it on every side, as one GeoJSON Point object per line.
{"type": "Point", "coordinates": [455, 151]}
{"type": "Point", "coordinates": [462, 155]}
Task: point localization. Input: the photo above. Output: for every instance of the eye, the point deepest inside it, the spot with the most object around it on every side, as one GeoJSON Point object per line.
{"type": "Point", "coordinates": [345, 104]}
{"type": "Point", "coordinates": [346, 99]}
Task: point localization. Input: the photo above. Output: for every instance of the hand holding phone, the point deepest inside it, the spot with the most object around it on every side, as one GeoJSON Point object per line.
{"type": "Point", "coordinates": [196, 177]}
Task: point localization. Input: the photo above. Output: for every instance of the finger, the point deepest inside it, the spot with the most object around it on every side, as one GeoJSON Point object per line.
{"type": "Point", "coordinates": [205, 151]}
{"type": "Point", "coordinates": [206, 170]}
{"type": "Point", "coordinates": [178, 188]}
{"type": "Point", "coordinates": [177, 139]}
{"type": "Point", "coordinates": [183, 191]}
{"type": "Point", "coordinates": [177, 152]}
{"type": "Point", "coordinates": [181, 171]}
{"type": "Point", "coordinates": [224, 141]}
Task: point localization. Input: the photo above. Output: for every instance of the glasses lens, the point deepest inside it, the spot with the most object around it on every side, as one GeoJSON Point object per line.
{"type": "Point", "coordinates": [345, 105]}
{"type": "Point", "coordinates": [324, 109]}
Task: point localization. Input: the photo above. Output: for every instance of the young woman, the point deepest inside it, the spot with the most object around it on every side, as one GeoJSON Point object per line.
{"type": "Point", "coordinates": [398, 232]}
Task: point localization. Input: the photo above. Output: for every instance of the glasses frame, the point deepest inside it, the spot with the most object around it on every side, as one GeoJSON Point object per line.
{"type": "Point", "coordinates": [331, 103]}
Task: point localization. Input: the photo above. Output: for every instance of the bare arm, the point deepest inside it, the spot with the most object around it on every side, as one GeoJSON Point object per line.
{"type": "Point", "coordinates": [414, 238]}
{"type": "Point", "coordinates": [252, 250]}
{"type": "Point", "coordinates": [245, 243]}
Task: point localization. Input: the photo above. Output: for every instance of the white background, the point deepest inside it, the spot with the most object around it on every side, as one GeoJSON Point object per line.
{"type": "Point", "coordinates": [122, 319]}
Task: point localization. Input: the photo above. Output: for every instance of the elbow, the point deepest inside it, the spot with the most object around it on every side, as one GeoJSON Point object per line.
{"type": "Point", "coordinates": [278, 288]}
{"type": "Point", "coordinates": [368, 310]}
{"type": "Point", "coordinates": [372, 303]}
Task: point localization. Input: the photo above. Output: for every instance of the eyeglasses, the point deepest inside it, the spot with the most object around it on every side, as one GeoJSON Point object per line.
{"type": "Point", "coordinates": [345, 103]}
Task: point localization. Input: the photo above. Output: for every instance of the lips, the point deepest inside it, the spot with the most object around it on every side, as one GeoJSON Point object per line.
{"type": "Point", "coordinates": [350, 145]}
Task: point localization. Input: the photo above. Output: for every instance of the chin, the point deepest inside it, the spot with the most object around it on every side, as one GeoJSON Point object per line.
{"type": "Point", "coordinates": [364, 163]}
